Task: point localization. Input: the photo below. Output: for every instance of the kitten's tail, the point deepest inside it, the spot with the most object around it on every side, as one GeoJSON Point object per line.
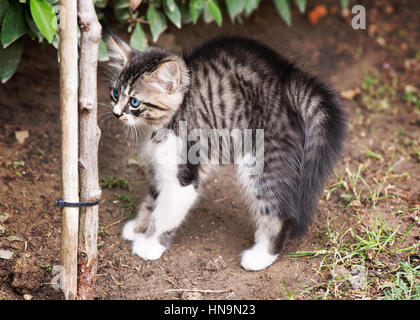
{"type": "Point", "coordinates": [323, 121]}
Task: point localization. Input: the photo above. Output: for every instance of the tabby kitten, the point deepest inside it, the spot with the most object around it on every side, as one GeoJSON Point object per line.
{"type": "Point", "coordinates": [227, 83]}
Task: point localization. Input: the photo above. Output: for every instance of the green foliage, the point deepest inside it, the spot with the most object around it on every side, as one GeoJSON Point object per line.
{"type": "Point", "coordinates": [138, 38]}
{"type": "Point", "coordinates": [114, 182]}
{"type": "Point", "coordinates": [45, 18]}
{"type": "Point", "coordinates": [172, 12]}
{"type": "Point", "coordinates": [283, 7]}
{"type": "Point", "coordinates": [405, 285]}
{"type": "Point", "coordinates": [9, 60]}
{"type": "Point", "coordinates": [14, 24]}
{"type": "Point", "coordinates": [39, 20]}
{"type": "Point", "coordinates": [157, 21]}
{"type": "Point", "coordinates": [215, 12]}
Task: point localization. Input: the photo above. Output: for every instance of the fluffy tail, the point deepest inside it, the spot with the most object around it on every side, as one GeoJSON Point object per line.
{"type": "Point", "coordinates": [323, 122]}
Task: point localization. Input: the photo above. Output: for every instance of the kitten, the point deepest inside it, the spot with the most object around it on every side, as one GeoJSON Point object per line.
{"type": "Point", "coordinates": [228, 83]}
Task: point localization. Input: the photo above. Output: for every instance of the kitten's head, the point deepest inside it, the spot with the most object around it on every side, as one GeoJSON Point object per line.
{"type": "Point", "coordinates": [148, 86]}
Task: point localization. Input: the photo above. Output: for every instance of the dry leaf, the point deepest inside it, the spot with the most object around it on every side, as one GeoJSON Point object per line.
{"type": "Point", "coordinates": [4, 217]}
{"type": "Point", "coordinates": [14, 238]}
{"type": "Point", "coordinates": [317, 13]}
{"type": "Point", "coordinates": [134, 4]}
{"type": "Point", "coordinates": [350, 94]}
{"type": "Point", "coordinates": [21, 136]}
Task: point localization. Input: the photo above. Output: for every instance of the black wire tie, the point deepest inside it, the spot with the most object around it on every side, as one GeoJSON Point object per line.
{"type": "Point", "coordinates": [61, 203]}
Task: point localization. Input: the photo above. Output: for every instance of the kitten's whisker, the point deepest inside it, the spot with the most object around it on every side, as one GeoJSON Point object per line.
{"type": "Point", "coordinates": [104, 104]}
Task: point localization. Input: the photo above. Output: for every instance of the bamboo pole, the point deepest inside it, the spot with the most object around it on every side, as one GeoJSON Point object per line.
{"type": "Point", "coordinates": [89, 136]}
{"type": "Point", "coordinates": [69, 145]}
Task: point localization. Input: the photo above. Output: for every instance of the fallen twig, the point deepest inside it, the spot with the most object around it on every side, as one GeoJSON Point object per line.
{"type": "Point", "coordinates": [114, 223]}
{"type": "Point", "coordinates": [197, 290]}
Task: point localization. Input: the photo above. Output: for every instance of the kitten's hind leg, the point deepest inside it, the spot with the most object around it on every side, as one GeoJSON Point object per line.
{"type": "Point", "coordinates": [272, 229]}
{"type": "Point", "coordinates": [262, 253]}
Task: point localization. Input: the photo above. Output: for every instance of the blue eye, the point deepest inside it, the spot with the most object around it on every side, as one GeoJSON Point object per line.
{"type": "Point", "coordinates": [114, 93]}
{"type": "Point", "coordinates": [135, 102]}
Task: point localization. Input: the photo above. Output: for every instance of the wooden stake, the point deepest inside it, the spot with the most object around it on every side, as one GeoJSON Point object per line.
{"type": "Point", "coordinates": [69, 145]}
{"type": "Point", "coordinates": [89, 135]}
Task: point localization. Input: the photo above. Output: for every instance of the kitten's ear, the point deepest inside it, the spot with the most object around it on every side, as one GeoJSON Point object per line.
{"type": "Point", "coordinates": [167, 76]}
{"type": "Point", "coordinates": [118, 51]}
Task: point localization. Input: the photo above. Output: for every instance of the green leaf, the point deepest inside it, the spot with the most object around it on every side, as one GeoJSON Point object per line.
{"type": "Point", "coordinates": [14, 24]}
{"type": "Point", "coordinates": [45, 18]}
{"type": "Point", "coordinates": [301, 4]}
{"type": "Point", "coordinates": [234, 7]}
{"type": "Point", "coordinates": [185, 13]}
{"type": "Point", "coordinates": [9, 60]}
{"type": "Point", "coordinates": [172, 12]}
{"type": "Point", "coordinates": [102, 52]}
{"type": "Point", "coordinates": [215, 12]}
{"type": "Point", "coordinates": [251, 5]}
{"type": "Point", "coordinates": [207, 17]}
{"type": "Point", "coordinates": [31, 23]}
{"type": "Point", "coordinates": [155, 3]}
{"type": "Point", "coordinates": [157, 22]}
{"type": "Point", "coordinates": [122, 4]}
{"type": "Point", "coordinates": [344, 4]}
{"type": "Point", "coordinates": [196, 8]}
{"type": "Point", "coordinates": [122, 10]}
{"type": "Point", "coordinates": [101, 3]}
{"type": "Point", "coordinates": [138, 39]}
{"type": "Point", "coordinates": [4, 5]}
{"type": "Point", "coordinates": [283, 8]}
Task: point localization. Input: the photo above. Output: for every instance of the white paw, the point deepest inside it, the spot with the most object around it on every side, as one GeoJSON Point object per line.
{"type": "Point", "coordinates": [257, 258]}
{"type": "Point", "coordinates": [147, 248]}
{"type": "Point", "coordinates": [128, 230]}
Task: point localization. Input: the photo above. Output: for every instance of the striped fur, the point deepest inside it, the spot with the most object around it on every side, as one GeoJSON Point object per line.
{"type": "Point", "coordinates": [235, 83]}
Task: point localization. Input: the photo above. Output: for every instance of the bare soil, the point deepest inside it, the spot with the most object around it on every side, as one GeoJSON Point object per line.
{"type": "Point", "coordinates": [205, 253]}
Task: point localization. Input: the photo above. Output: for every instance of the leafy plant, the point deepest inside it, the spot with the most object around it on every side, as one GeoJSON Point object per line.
{"type": "Point", "coordinates": [39, 19]}
{"type": "Point", "coordinates": [114, 182]}
{"type": "Point", "coordinates": [405, 285]}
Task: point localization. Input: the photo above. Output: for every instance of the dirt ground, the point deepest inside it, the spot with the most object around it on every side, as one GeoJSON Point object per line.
{"type": "Point", "coordinates": [374, 69]}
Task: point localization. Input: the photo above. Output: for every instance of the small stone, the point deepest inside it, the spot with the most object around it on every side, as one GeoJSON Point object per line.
{"type": "Point", "coordinates": [370, 254]}
{"type": "Point", "coordinates": [358, 278]}
{"type": "Point", "coordinates": [381, 41]}
{"type": "Point", "coordinates": [27, 297]}
{"type": "Point", "coordinates": [6, 254]}
{"type": "Point", "coordinates": [216, 265]}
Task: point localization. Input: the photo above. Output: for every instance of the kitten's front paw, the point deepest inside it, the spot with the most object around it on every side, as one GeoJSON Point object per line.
{"type": "Point", "coordinates": [257, 258]}
{"type": "Point", "coordinates": [128, 232]}
{"type": "Point", "coordinates": [147, 248]}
